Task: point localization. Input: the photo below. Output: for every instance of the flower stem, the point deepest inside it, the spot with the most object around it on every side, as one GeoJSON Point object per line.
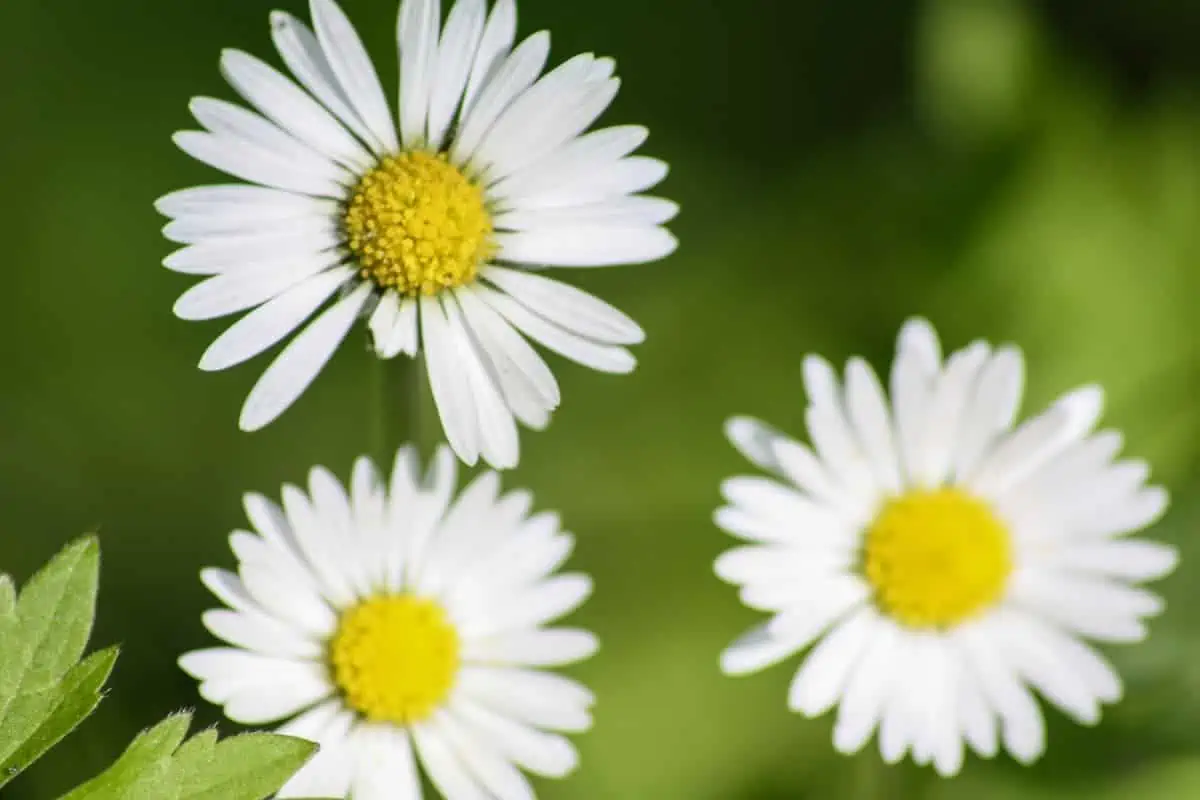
{"type": "Point", "coordinates": [398, 389]}
{"type": "Point", "coordinates": [869, 779]}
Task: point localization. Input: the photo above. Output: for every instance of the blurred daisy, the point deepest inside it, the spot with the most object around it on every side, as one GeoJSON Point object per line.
{"type": "Point", "coordinates": [427, 227]}
{"type": "Point", "coordinates": [943, 561]}
{"type": "Point", "coordinates": [394, 625]}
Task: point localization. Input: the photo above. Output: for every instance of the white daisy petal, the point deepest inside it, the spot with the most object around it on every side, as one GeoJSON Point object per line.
{"type": "Point", "coordinates": [460, 534]}
{"type": "Point", "coordinates": [405, 334]}
{"type": "Point", "coordinates": [236, 124]}
{"type": "Point", "coordinates": [1098, 609]}
{"type": "Point", "coordinates": [385, 767]}
{"type": "Point", "coordinates": [257, 632]}
{"type": "Point", "coordinates": [383, 322]}
{"type": "Point", "coordinates": [867, 691]}
{"type": "Point", "coordinates": [821, 679]}
{"type": "Point", "coordinates": [349, 62]}
{"type": "Point", "coordinates": [933, 455]}
{"type": "Point", "coordinates": [1020, 453]}
{"type": "Point", "coordinates": [576, 116]}
{"type": "Point", "coordinates": [279, 593]}
{"type": "Point", "coordinates": [977, 719]}
{"type": "Point", "coordinates": [496, 775]}
{"type": "Point", "coordinates": [509, 79]}
{"type": "Point", "coordinates": [231, 292]}
{"type": "Point", "coordinates": [271, 322]}
{"type": "Point", "coordinates": [417, 36]}
{"type": "Point", "coordinates": [632, 211]}
{"type": "Point", "coordinates": [555, 108]}
{"type": "Point", "coordinates": [566, 306]}
{"type": "Point", "coordinates": [1050, 669]}
{"type": "Point", "coordinates": [330, 773]}
{"type": "Point", "coordinates": [553, 647]}
{"type": "Point", "coordinates": [531, 607]}
{"type": "Point", "coordinates": [451, 390]}
{"type": "Point", "coordinates": [241, 222]}
{"type": "Point", "coordinates": [229, 589]}
{"type": "Point", "coordinates": [494, 44]}
{"type": "Point", "coordinates": [1022, 728]}
{"type": "Point", "coordinates": [255, 163]}
{"type": "Point", "coordinates": [528, 385]}
{"type": "Point", "coordinates": [302, 53]}
{"type": "Point", "coordinates": [756, 649]}
{"type": "Point", "coordinates": [992, 409]}
{"type": "Point", "coordinates": [1139, 511]}
{"type": "Point", "coordinates": [544, 754]}
{"type": "Point", "coordinates": [1123, 560]}
{"type": "Point", "coordinates": [832, 599]}
{"type": "Point", "coordinates": [586, 245]}
{"type": "Point", "coordinates": [239, 200]}
{"type": "Point", "coordinates": [248, 250]}
{"type": "Point", "coordinates": [918, 361]}
{"type": "Point", "coordinates": [868, 412]}
{"type": "Point", "coordinates": [603, 358]}
{"type": "Point", "coordinates": [255, 688]}
{"type": "Point", "coordinates": [540, 699]}
{"type": "Point", "coordinates": [296, 367]}
{"type": "Point", "coordinates": [499, 444]}
{"type": "Point", "coordinates": [293, 110]}
{"type": "Point", "coordinates": [444, 764]}
{"type": "Point", "coordinates": [455, 57]}
{"type": "Point", "coordinates": [572, 163]}
{"type": "Point", "coordinates": [755, 440]}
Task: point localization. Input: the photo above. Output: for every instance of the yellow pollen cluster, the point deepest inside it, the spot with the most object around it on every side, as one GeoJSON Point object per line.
{"type": "Point", "coordinates": [936, 558]}
{"type": "Point", "coordinates": [418, 225]}
{"type": "Point", "coordinates": [395, 658]}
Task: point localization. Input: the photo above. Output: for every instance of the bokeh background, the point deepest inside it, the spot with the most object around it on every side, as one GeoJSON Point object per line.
{"type": "Point", "coordinates": [1020, 171]}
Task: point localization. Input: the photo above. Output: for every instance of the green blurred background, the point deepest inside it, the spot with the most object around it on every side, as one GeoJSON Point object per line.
{"type": "Point", "coordinates": [1024, 172]}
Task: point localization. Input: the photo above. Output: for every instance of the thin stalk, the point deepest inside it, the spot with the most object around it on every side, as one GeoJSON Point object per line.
{"type": "Point", "coordinates": [397, 392]}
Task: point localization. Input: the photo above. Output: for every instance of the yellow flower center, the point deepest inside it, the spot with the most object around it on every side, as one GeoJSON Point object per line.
{"type": "Point", "coordinates": [935, 558]}
{"type": "Point", "coordinates": [395, 658]}
{"type": "Point", "coordinates": [418, 225]}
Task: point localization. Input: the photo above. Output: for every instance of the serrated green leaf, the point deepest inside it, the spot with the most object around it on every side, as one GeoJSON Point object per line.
{"type": "Point", "coordinates": [54, 613]}
{"type": "Point", "coordinates": [43, 638]}
{"type": "Point", "coordinates": [194, 757]}
{"type": "Point", "coordinates": [23, 715]}
{"type": "Point", "coordinates": [247, 767]}
{"type": "Point", "coordinates": [76, 697]}
{"type": "Point", "coordinates": [144, 762]}
{"type": "Point", "coordinates": [157, 767]}
{"type": "Point", "coordinates": [198, 750]}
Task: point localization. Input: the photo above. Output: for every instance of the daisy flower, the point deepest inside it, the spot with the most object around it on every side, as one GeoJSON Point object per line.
{"type": "Point", "coordinates": [395, 625]}
{"type": "Point", "coordinates": [943, 562]}
{"type": "Point", "coordinates": [431, 227]}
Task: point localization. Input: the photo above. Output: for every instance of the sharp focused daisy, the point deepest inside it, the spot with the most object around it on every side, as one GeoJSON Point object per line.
{"type": "Point", "coordinates": [395, 626]}
{"type": "Point", "coordinates": [427, 226]}
{"type": "Point", "coordinates": [943, 562]}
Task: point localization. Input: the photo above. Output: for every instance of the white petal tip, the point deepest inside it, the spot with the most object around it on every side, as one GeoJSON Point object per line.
{"type": "Point", "coordinates": [253, 419]}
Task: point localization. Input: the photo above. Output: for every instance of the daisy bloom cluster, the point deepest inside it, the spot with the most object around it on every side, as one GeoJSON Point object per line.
{"type": "Point", "coordinates": [430, 224]}
{"type": "Point", "coordinates": [942, 561]}
{"type": "Point", "coordinates": [397, 625]}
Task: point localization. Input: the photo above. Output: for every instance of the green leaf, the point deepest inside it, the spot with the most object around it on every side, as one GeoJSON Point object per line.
{"type": "Point", "coordinates": [8, 597]}
{"type": "Point", "coordinates": [158, 767]}
{"type": "Point", "coordinates": [77, 697]}
{"type": "Point", "coordinates": [54, 617]}
{"type": "Point", "coordinates": [146, 760]}
{"type": "Point", "coordinates": [245, 767]}
{"type": "Point", "coordinates": [44, 635]}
